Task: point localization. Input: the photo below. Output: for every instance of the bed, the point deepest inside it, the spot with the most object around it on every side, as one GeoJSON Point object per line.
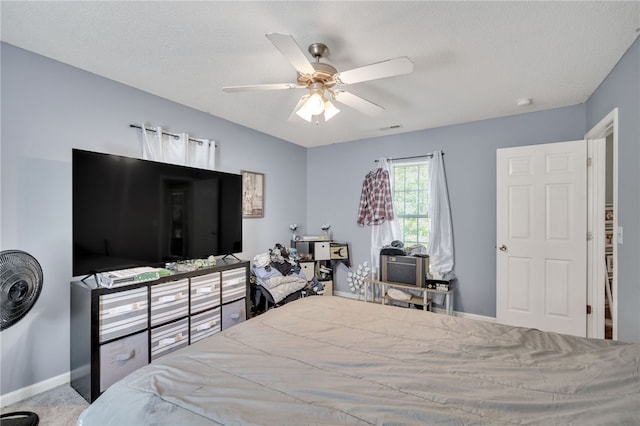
{"type": "Point", "coordinates": [332, 360]}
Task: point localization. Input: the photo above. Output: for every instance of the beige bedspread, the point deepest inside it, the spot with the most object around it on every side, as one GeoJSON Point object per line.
{"type": "Point", "coordinates": [330, 360]}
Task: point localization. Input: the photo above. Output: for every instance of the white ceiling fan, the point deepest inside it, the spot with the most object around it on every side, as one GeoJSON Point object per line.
{"type": "Point", "coordinates": [323, 81]}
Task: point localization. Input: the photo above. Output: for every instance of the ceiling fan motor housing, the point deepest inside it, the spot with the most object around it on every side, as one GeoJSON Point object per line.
{"type": "Point", "coordinates": [323, 74]}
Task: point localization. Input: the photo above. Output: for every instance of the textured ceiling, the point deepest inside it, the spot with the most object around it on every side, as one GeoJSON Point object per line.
{"type": "Point", "coordinates": [472, 59]}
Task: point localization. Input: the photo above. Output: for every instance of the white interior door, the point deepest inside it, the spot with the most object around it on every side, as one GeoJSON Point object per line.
{"type": "Point", "coordinates": [542, 237]}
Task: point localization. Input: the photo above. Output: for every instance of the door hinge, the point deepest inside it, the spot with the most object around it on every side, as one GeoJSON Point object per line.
{"type": "Point", "coordinates": [589, 161]}
{"type": "Point", "coordinates": [589, 236]}
{"type": "Point", "coordinates": [588, 309]}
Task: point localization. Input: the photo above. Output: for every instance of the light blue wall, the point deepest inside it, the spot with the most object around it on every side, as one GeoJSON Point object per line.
{"type": "Point", "coordinates": [48, 108]}
{"type": "Point", "coordinates": [335, 174]}
{"type": "Point", "coordinates": [621, 89]}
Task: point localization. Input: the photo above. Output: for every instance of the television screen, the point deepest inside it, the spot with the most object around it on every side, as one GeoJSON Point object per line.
{"type": "Point", "coordinates": [129, 212]}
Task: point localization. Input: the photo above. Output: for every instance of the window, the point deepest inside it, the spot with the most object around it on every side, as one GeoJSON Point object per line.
{"type": "Point", "coordinates": [409, 188]}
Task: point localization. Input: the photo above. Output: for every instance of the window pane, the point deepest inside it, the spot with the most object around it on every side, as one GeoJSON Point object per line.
{"type": "Point", "coordinates": [398, 203]}
{"type": "Point", "coordinates": [411, 203]}
{"type": "Point", "coordinates": [410, 185]}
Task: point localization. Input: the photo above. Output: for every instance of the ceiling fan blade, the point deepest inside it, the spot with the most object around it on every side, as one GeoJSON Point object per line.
{"type": "Point", "coordinates": [397, 66]}
{"type": "Point", "coordinates": [260, 87]}
{"type": "Point", "coordinates": [356, 102]}
{"type": "Point", "coordinates": [290, 49]}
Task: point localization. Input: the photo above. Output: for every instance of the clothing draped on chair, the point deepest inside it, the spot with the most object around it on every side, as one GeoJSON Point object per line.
{"type": "Point", "coordinates": [182, 150]}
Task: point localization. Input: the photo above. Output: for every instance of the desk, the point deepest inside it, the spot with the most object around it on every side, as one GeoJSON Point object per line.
{"type": "Point", "coordinates": [424, 301]}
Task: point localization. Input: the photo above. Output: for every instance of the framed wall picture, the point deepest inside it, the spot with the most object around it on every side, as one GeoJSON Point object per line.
{"type": "Point", "coordinates": [609, 258]}
{"type": "Point", "coordinates": [252, 194]}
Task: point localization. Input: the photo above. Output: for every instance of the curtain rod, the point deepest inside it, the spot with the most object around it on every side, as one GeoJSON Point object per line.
{"type": "Point", "coordinates": [173, 135]}
{"type": "Point", "coordinates": [412, 157]}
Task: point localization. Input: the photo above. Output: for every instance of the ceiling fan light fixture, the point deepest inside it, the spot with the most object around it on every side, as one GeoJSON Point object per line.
{"type": "Point", "coordinates": [303, 112]}
{"type": "Point", "coordinates": [330, 110]}
{"type": "Point", "coordinates": [315, 104]}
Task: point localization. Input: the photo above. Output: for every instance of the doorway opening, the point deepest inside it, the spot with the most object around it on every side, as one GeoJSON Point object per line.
{"type": "Point", "coordinates": [603, 230]}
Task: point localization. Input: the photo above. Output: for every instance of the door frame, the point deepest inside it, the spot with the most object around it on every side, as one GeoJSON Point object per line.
{"type": "Point", "coordinates": [596, 245]}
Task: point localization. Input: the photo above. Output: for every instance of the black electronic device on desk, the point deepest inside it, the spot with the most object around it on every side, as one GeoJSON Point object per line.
{"type": "Point", "coordinates": [439, 285]}
{"type": "Point", "coordinates": [409, 270]}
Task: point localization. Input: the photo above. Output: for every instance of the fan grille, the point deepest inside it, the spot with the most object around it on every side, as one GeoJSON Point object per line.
{"type": "Point", "coordinates": [20, 285]}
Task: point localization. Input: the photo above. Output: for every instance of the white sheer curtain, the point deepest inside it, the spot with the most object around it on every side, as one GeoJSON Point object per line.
{"type": "Point", "coordinates": [440, 249]}
{"type": "Point", "coordinates": [384, 233]}
{"type": "Point", "coordinates": [180, 150]}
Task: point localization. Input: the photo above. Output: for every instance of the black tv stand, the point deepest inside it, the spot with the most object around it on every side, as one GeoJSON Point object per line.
{"type": "Point", "coordinates": [232, 255]}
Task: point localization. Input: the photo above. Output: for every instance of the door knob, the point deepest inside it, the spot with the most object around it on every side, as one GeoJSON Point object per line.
{"type": "Point", "coordinates": [502, 247]}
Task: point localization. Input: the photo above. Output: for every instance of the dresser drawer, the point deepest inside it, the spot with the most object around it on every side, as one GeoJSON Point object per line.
{"type": "Point", "coordinates": [205, 292]}
{"type": "Point", "coordinates": [122, 313]}
{"type": "Point", "coordinates": [234, 284]}
{"type": "Point", "coordinates": [322, 250]}
{"type": "Point", "coordinates": [205, 324]}
{"type": "Point", "coordinates": [121, 357]}
{"type": "Point", "coordinates": [234, 313]}
{"type": "Point", "coordinates": [169, 301]}
{"type": "Point", "coordinates": [168, 338]}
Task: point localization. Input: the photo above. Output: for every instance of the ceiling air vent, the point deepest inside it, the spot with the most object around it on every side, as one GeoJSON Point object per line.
{"type": "Point", "coordinates": [395, 126]}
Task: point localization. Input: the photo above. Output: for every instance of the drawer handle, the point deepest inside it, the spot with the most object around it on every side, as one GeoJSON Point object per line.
{"type": "Point", "coordinates": [171, 340]}
{"type": "Point", "coordinates": [126, 357]}
{"type": "Point", "coordinates": [204, 290]}
{"type": "Point", "coordinates": [124, 308]}
{"type": "Point", "coordinates": [172, 298]}
{"type": "Point", "coordinates": [206, 326]}
{"type": "Point", "coordinates": [235, 315]}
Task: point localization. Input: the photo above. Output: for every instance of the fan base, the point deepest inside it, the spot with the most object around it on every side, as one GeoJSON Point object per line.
{"type": "Point", "coordinates": [20, 418]}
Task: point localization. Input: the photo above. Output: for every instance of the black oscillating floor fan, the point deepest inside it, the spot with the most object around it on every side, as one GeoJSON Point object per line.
{"type": "Point", "coordinates": [20, 287]}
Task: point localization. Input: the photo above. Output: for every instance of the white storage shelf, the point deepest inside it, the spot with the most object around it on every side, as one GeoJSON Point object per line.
{"type": "Point", "coordinates": [116, 331]}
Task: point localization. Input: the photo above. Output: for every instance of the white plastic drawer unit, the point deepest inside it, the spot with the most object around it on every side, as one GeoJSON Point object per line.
{"type": "Point", "coordinates": [233, 313]}
{"type": "Point", "coordinates": [322, 250]}
{"type": "Point", "coordinates": [122, 313]}
{"type": "Point", "coordinates": [168, 338]}
{"type": "Point", "coordinates": [205, 292]}
{"type": "Point", "coordinates": [121, 357]}
{"type": "Point", "coordinates": [234, 284]}
{"type": "Point", "coordinates": [308, 269]}
{"type": "Point", "coordinates": [205, 324]}
{"type": "Point", "coordinates": [169, 301]}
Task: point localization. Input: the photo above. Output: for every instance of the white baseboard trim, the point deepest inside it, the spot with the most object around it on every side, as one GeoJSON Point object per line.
{"type": "Point", "coordinates": [36, 388]}
{"type": "Point", "coordinates": [465, 315]}
{"type": "Point", "coordinates": [349, 295]}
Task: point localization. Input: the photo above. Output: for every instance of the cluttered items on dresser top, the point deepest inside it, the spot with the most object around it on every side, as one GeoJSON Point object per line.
{"type": "Point", "coordinates": [141, 274]}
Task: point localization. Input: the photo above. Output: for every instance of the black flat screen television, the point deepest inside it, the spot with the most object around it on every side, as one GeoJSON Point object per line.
{"type": "Point", "coordinates": [129, 212]}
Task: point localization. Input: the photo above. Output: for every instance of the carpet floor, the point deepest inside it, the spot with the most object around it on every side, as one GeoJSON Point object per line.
{"type": "Point", "coordinates": [60, 406]}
